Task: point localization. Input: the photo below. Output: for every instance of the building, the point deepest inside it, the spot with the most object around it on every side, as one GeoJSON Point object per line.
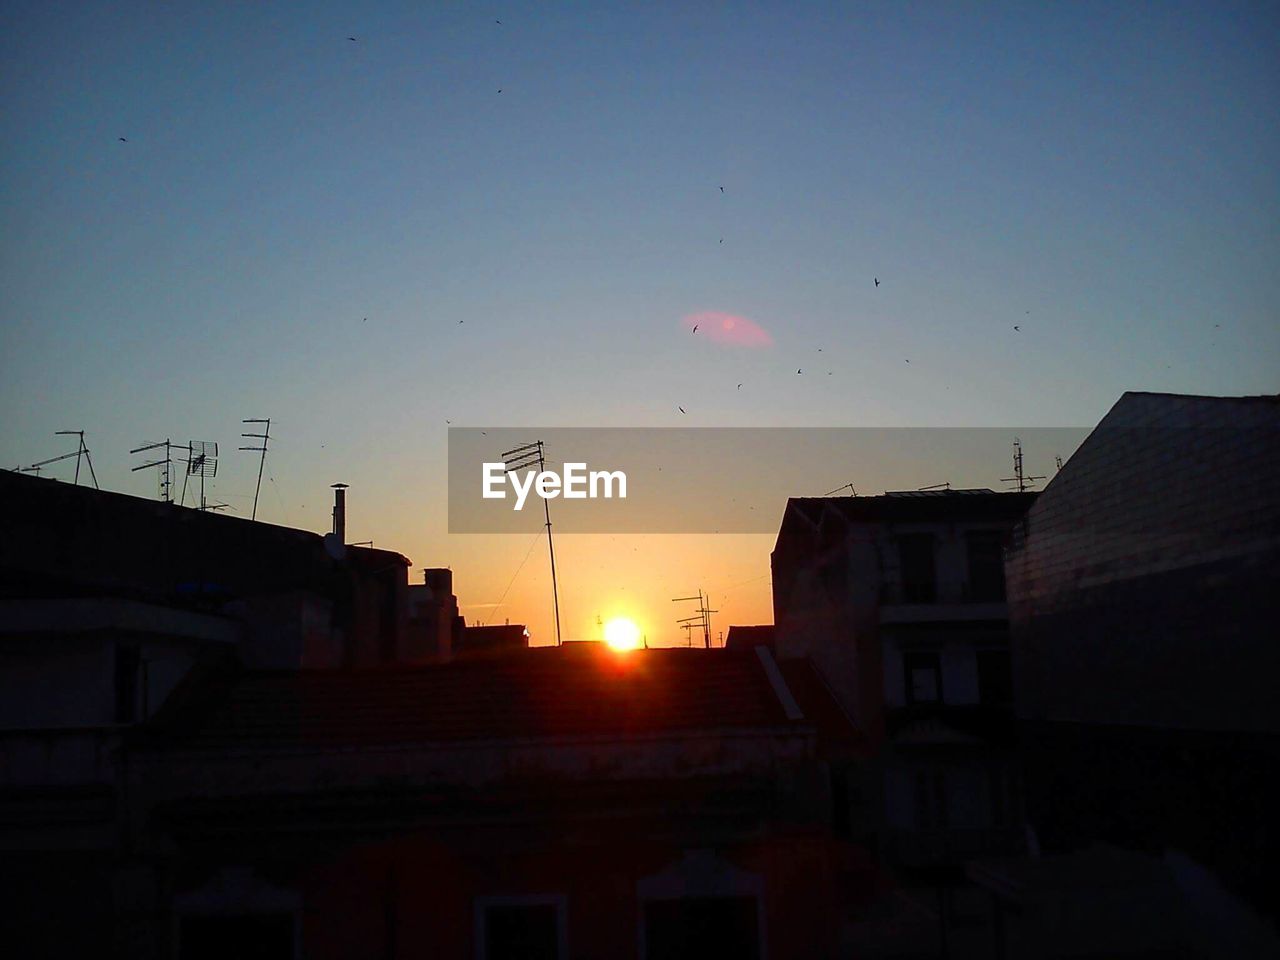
{"type": "Point", "coordinates": [224, 738]}
{"type": "Point", "coordinates": [111, 603]}
{"type": "Point", "coordinates": [899, 601]}
{"type": "Point", "coordinates": [1144, 592]}
{"type": "Point", "coordinates": [743, 638]}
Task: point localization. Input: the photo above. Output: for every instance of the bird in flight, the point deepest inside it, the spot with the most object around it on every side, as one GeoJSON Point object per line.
{"type": "Point", "coordinates": [877, 280]}
{"type": "Point", "coordinates": [122, 139]}
{"type": "Point", "coordinates": [722, 239]}
{"type": "Point", "coordinates": [722, 189]}
{"type": "Point", "coordinates": [739, 386]}
{"type": "Point", "coordinates": [798, 370]}
{"type": "Point", "coordinates": [365, 320]}
{"type": "Point", "coordinates": [498, 22]}
{"type": "Point", "coordinates": [695, 328]}
{"type": "Point", "coordinates": [1016, 327]}
{"type": "Point", "coordinates": [352, 39]}
{"type": "Point", "coordinates": [461, 322]}
{"type": "Point", "coordinates": [499, 89]}
{"type": "Point", "coordinates": [681, 409]}
{"type": "Point", "coordinates": [906, 361]}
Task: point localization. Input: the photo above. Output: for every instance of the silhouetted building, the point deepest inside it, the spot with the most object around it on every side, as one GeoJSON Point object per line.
{"type": "Point", "coordinates": [1144, 592]}
{"type": "Point", "coordinates": [218, 738]}
{"type": "Point", "coordinates": [493, 639]}
{"type": "Point", "coordinates": [899, 601]}
{"type": "Point", "coordinates": [743, 638]}
{"type": "Point", "coordinates": [541, 803]}
{"type": "Point", "coordinates": [108, 604]}
{"type": "Point", "coordinates": [435, 625]}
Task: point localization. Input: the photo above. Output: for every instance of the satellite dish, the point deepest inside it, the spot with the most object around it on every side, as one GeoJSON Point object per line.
{"type": "Point", "coordinates": [334, 546]}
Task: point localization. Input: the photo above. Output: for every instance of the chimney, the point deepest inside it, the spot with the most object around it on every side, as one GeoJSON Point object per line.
{"type": "Point", "coordinates": [340, 512]}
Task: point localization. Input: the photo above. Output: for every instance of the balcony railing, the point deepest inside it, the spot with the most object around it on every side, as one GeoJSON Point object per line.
{"type": "Point", "coordinates": [941, 591]}
{"type": "Point", "coordinates": [939, 845]}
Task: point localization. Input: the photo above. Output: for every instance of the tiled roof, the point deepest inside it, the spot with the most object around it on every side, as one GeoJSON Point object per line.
{"type": "Point", "coordinates": [539, 692]}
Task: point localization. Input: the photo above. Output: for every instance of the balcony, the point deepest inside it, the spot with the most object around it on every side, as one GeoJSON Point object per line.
{"type": "Point", "coordinates": [914, 602]}
{"type": "Point", "coordinates": [991, 724]}
{"type": "Point", "coordinates": [936, 846]}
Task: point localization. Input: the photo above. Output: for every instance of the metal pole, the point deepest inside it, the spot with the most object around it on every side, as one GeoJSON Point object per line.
{"type": "Point", "coordinates": [555, 593]}
{"type": "Point", "coordinates": [89, 460]}
{"type": "Point", "coordinates": [265, 437]}
{"type": "Point", "coordinates": [519, 458]}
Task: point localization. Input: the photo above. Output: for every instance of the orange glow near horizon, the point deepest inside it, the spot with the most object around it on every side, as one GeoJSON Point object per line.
{"type": "Point", "coordinates": [622, 634]}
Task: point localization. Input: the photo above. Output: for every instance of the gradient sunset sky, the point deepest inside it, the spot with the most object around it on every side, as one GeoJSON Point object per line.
{"type": "Point", "coordinates": [510, 224]}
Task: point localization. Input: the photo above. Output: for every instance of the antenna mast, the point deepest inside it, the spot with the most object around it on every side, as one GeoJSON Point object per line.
{"type": "Point", "coordinates": [703, 619]}
{"type": "Point", "coordinates": [523, 457]}
{"type": "Point", "coordinates": [166, 467]}
{"type": "Point", "coordinates": [81, 451]}
{"type": "Point", "coordinates": [265, 437]}
{"type": "Point", "coordinates": [1021, 479]}
{"type": "Point", "coordinates": [202, 462]}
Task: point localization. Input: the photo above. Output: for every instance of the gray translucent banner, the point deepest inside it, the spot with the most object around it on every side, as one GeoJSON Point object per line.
{"type": "Point", "coordinates": [721, 480]}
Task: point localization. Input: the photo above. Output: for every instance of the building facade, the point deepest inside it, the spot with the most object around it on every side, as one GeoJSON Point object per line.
{"type": "Point", "coordinates": [899, 601]}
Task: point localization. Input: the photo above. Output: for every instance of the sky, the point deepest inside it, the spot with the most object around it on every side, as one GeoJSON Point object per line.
{"type": "Point", "coordinates": [456, 221]}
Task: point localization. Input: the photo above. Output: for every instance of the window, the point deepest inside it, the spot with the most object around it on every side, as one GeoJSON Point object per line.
{"type": "Point", "coordinates": [696, 927]}
{"type": "Point", "coordinates": [919, 575]}
{"type": "Point", "coordinates": [931, 800]}
{"type": "Point", "coordinates": [520, 928]}
{"type": "Point", "coordinates": [923, 676]}
{"type": "Point", "coordinates": [995, 678]}
{"type": "Point", "coordinates": [986, 564]}
{"type": "Point", "coordinates": [1001, 788]}
{"type": "Point", "coordinates": [128, 663]}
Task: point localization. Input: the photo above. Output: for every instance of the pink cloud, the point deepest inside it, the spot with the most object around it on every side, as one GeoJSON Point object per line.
{"type": "Point", "coordinates": [728, 328]}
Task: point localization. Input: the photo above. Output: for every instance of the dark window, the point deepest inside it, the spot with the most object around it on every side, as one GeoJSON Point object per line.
{"type": "Point", "coordinates": [995, 678]}
{"type": "Point", "coordinates": [521, 932]}
{"type": "Point", "coordinates": [265, 936]}
{"type": "Point", "coordinates": [841, 820]}
{"type": "Point", "coordinates": [986, 564]}
{"type": "Point", "coordinates": [128, 661]}
{"type": "Point", "coordinates": [1000, 786]}
{"type": "Point", "coordinates": [931, 800]}
{"type": "Point", "coordinates": [923, 674]}
{"type": "Point", "coordinates": [698, 927]}
{"type": "Point", "coordinates": [919, 574]}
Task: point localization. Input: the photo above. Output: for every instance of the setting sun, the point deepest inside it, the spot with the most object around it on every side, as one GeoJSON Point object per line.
{"type": "Point", "coordinates": [622, 634]}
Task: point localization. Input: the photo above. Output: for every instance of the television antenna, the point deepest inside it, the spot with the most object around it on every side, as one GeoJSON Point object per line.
{"type": "Point", "coordinates": [165, 473]}
{"type": "Point", "coordinates": [703, 618]}
{"type": "Point", "coordinates": [522, 458]}
{"type": "Point", "coordinates": [202, 462]}
{"type": "Point", "coordinates": [81, 451]}
{"type": "Point", "coordinates": [847, 486]}
{"type": "Point", "coordinates": [1021, 479]}
{"type": "Point", "coordinates": [265, 437]}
